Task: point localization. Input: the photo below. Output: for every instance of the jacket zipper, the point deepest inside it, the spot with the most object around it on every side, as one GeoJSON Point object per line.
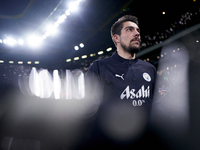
{"type": "Point", "coordinates": [129, 61]}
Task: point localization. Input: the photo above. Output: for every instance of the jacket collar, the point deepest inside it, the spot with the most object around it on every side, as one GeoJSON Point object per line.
{"type": "Point", "coordinates": [123, 60]}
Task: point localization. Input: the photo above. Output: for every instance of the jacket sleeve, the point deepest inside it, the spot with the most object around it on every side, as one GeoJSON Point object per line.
{"type": "Point", "coordinates": [94, 86]}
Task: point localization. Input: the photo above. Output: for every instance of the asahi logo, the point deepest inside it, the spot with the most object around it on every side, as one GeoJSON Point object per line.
{"type": "Point", "coordinates": [137, 96]}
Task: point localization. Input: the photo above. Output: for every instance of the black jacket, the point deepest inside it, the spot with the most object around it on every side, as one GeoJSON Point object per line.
{"type": "Point", "coordinates": [121, 79]}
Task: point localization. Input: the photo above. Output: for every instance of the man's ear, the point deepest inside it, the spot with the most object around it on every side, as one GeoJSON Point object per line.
{"type": "Point", "coordinates": [116, 38]}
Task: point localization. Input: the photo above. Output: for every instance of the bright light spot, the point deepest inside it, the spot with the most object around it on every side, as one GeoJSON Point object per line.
{"type": "Point", "coordinates": [73, 6]}
{"type": "Point", "coordinates": [34, 41]}
{"type": "Point", "coordinates": [56, 24]}
{"type": "Point", "coordinates": [41, 83]}
{"type": "Point", "coordinates": [47, 34]}
{"type": "Point", "coordinates": [68, 85]}
{"type": "Point", "coordinates": [67, 12]}
{"type": "Point", "coordinates": [163, 13]}
{"type": "Point", "coordinates": [46, 83]}
{"type": "Point", "coordinates": [76, 58]}
{"type": "Point", "coordinates": [68, 60]}
{"type": "Point", "coordinates": [76, 48]}
{"type": "Point", "coordinates": [51, 29]}
{"type": "Point", "coordinates": [84, 56]}
{"type": "Point", "coordinates": [5, 41]}
{"type": "Point", "coordinates": [44, 36]}
{"type": "Point", "coordinates": [1, 41]}
{"type": "Point", "coordinates": [20, 62]}
{"type": "Point", "coordinates": [56, 84]}
{"type": "Point", "coordinates": [148, 59]}
{"type": "Point", "coordinates": [29, 62]}
{"type": "Point", "coordinates": [81, 45]}
{"type": "Point", "coordinates": [37, 62]}
{"type": "Point", "coordinates": [34, 82]}
{"type": "Point", "coordinates": [11, 62]}
{"type": "Point", "coordinates": [61, 18]}
{"type": "Point", "coordinates": [1, 61]}
{"type": "Point", "coordinates": [21, 42]}
{"type": "Point", "coordinates": [197, 41]}
{"type": "Point", "coordinates": [100, 52]}
{"type": "Point", "coordinates": [11, 41]}
{"type": "Point", "coordinates": [109, 49]}
{"type": "Point", "coordinates": [92, 55]}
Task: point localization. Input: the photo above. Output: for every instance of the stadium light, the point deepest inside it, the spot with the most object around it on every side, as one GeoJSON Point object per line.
{"type": "Point", "coordinates": [81, 45]}
{"type": "Point", "coordinates": [34, 40]}
{"type": "Point", "coordinates": [84, 56]}
{"type": "Point", "coordinates": [21, 42]}
{"type": "Point", "coordinates": [73, 6]}
{"type": "Point", "coordinates": [10, 41]}
{"type": "Point", "coordinates": [5, 41]}
{"type": "Point", "coordinates": [100, 52]}
{"type": "Point", "coordinates": [76, 58]}
{"type": "Point", "coordinates": [61, 19]}
{"type": "Point", "coordinates": [92, 55]}
{"type": "Point", "coordinates": [51, 29]}
{"type": "Point", "coordinates": [68, 60]}
{"type": "Point", "coordinates": [37, 62]}
{"type": "Point", "coordinates": [109, 49]}
{"type": "Point", "coordinates": [76, 48]}
{"type": "Point", "coordinates": [67, 12]}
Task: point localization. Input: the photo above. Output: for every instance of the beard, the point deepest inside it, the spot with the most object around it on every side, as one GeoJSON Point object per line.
{"type": "Point", "coordinates": [131, 49]}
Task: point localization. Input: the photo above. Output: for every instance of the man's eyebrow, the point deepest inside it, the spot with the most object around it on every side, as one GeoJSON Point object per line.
{"type": "Point", "coordinates": [132, 27]}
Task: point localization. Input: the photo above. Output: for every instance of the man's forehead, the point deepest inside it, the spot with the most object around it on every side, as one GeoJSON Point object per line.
{"type": "Point", "coordinates": [130, 23]}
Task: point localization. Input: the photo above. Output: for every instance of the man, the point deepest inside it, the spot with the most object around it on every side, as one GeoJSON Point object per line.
{"type": "Point", "coordinates": [123, 84]}
{"type": "Point", "coordinates": [123, 76]}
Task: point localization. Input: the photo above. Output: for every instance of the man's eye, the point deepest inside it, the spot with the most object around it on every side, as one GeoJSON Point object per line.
{"type": "Point", "coordinates": [129, 29]}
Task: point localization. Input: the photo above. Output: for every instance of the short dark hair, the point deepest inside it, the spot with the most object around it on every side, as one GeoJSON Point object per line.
{"type": "Point", "coordinates": [118, 25]}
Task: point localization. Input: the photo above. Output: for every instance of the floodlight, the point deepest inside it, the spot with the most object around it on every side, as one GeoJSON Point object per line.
{"type": "Point", "coordinates": [21, 42]}
{"type": "Point", "coordinates": [81, 45]}
{"type": "Point", "coordinates": [68, 60]}
{"type": "Point", "coordinates": [73, 6]}
{"type": "Point", "coordinates": [100, 52]}
{"type": "Point", "coordinates": [76, 48]}
{"type": "Point", "coordinates": [109, 49]}
{"type": "Point", "coordinates": [34, 40]}
{"type": "Point", "coordinates": [76, 58]}
{"type": "Point", "coordinates": [51, 29]}
{"type": "Point", "coordinates": [84, 56]}
{"type": "Point", "coordinates": [11, 41]}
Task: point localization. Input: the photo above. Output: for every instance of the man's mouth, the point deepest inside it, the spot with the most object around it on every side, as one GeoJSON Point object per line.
{"type": "Point", "coordinates": [136, 40]}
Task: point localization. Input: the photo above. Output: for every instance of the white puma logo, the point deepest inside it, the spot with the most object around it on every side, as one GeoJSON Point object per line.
{"type": "Point", "coordinates": [120, 76]}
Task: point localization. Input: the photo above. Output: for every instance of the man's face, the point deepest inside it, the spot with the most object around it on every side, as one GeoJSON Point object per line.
{"type": "Point", "coordinates": [130, 37]}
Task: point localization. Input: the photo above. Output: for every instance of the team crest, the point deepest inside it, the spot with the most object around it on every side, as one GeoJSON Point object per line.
{"type": "Point", "coordinates": [147, 77]}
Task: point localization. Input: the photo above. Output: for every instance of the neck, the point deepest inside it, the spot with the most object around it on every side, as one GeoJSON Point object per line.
{"type": "Point", "coordinates": [125, 55]}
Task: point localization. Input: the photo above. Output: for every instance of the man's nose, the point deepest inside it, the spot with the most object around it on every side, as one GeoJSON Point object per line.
{"type": "Point", "coordinates": [137, 33]}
